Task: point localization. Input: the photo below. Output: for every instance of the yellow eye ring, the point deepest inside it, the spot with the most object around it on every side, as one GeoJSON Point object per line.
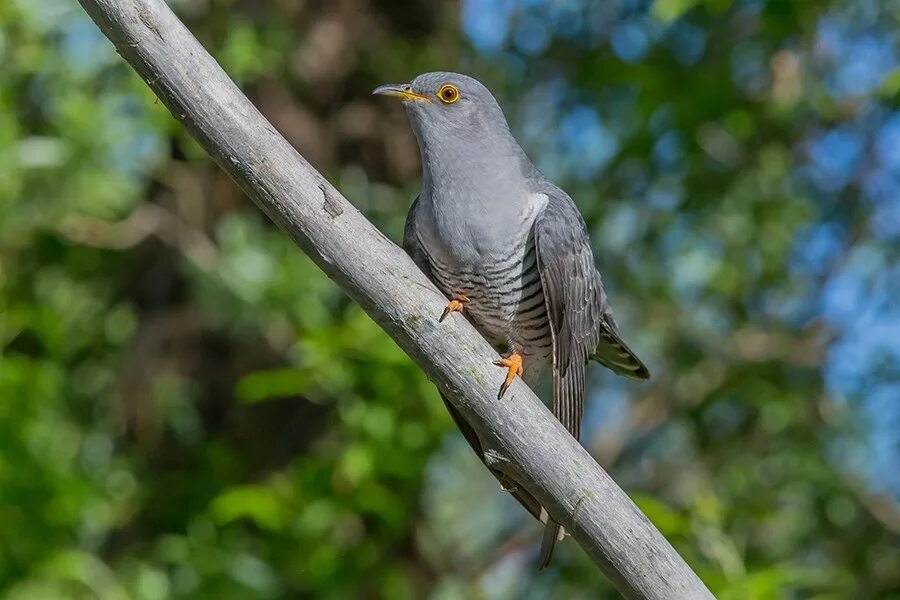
{"type": "Point", "coordinates": [448, 94]}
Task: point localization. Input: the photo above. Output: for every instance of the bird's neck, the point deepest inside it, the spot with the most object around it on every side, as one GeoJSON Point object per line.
{"type": "Point", "coordinates": [477, 199]}
{"type": "Point", "coordinates": [488, 174]}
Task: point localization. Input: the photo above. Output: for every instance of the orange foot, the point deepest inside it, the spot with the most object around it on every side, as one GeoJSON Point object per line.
{"type": "Point", "coordinates": [455, 305]}
{"type": "Point", "coordinates": [513, 362]}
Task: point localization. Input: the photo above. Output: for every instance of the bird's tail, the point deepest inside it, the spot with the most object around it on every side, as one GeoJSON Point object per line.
{"type": "Point", "coordinates": [552, 534]}
{"type": "Point", "coordinates": [615, 354]}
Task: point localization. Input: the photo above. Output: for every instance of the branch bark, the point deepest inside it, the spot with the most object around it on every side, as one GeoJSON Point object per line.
{"type": "Point", "coordinates": [526, 443]}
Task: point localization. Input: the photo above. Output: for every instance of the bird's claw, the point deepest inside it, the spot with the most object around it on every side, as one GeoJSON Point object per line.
{"type": "Point", "coordinates": [455, 305]}
{"type": "Point", "coordinates": [513, 363]}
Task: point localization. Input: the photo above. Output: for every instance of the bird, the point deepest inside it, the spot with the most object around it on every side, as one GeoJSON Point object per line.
{"type": "Point", "coordinates": [510, 251]}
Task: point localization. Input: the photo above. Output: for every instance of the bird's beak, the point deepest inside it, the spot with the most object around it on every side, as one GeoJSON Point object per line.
{"type": "Point", "coordinates": [401, 90]}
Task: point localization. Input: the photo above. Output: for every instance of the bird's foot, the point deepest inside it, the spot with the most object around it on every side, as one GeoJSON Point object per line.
{"type": "Point", "coordinates": [513, 362]}
{"type": "Point", "coordinates": [455, 305]}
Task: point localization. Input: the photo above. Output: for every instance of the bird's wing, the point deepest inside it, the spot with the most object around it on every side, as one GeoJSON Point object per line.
{"type": "Point", "coordinates": [573, 296]}
{"type": "Point", "coordinates": [580, 316]}
{"type": "Point", "coordinates": [411, 243]}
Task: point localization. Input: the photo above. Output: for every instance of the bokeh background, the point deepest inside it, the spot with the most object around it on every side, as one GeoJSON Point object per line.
{"type": "Point", "coordinates": [189, 408]}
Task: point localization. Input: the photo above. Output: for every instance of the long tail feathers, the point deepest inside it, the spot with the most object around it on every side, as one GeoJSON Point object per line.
{"type": "Point", "coordinates": [552, 534]}
{"type": "Point", "coordinates": [614, 354]}
{"type": "Point", "coordinates": [528, 501]}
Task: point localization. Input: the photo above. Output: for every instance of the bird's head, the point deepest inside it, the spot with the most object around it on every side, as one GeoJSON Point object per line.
{"type": "Point", "coordinates": [442, 104]}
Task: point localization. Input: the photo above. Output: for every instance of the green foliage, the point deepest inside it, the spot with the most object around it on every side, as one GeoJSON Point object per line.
{"type": "Point", "coordinates": [189, 407]}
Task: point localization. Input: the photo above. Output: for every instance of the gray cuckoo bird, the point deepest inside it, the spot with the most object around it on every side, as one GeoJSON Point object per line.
{"type": "Point", "coordinates": [509, 249]}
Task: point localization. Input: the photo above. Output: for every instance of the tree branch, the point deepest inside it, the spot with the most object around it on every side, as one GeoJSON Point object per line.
{"type": "Point", "coordinates": [520, 432]}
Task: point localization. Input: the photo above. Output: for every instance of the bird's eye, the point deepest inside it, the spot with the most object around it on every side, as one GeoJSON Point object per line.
{"type": "Point", "coordinates": [448, 94]}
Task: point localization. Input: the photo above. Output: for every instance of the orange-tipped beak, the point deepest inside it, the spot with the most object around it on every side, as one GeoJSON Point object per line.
{"type": "Point", "coordinates": [402, 91]}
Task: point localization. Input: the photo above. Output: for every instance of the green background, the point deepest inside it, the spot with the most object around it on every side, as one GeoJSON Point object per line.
{"type": "Point", "coordinates": [189, 408]}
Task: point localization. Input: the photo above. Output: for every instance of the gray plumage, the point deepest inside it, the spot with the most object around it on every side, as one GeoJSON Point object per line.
{"type": "Point", "coordinates": [490, 227]}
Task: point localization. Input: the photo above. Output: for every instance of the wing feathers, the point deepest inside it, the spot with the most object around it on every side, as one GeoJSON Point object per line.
{"type": "Point", "coordinates": [569, 283]}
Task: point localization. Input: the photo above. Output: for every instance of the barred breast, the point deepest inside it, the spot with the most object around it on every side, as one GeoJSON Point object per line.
{"type": "Point", "coordinates": [506, 300]}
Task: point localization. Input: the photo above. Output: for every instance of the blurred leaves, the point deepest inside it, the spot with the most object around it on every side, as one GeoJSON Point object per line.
{"type": "Point", "coordinates": [189, 407]}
